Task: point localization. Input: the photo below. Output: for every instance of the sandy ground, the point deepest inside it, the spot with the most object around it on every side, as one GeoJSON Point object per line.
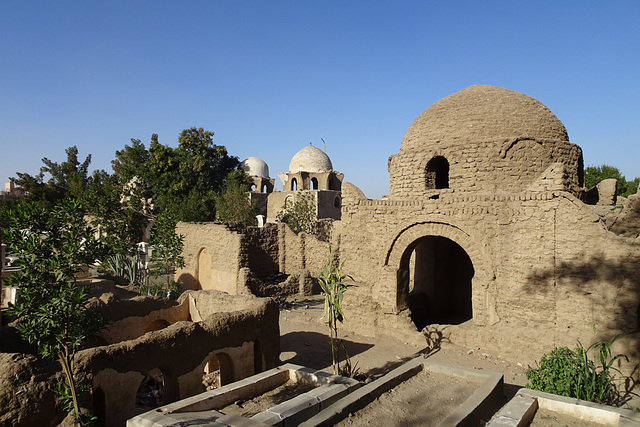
{"type": "Point", "coordinates": [305, 341]}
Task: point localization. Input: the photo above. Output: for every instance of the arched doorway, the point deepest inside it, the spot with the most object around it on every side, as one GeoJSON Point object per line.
{"type": "Point", "coordinates": [218, 371]}
{"type": "Point", "coordinates": [434, 278]}
{"type": "Point", "coordinates": [204, 266]}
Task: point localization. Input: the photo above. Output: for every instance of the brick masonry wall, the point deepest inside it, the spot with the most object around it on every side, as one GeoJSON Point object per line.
{"type": "Point", "coordinates": [480, 166]}
{"type": "Point", "coordinates": [546, 271]}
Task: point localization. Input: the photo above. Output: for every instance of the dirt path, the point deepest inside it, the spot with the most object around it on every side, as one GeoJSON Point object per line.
{"type": "Point", "coordinates": [305, 341]}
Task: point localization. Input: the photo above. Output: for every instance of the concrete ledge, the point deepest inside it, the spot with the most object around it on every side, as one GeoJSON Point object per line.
{"type": "Point", "coordinates": [364, 395]}
{"type": "Point", "coordinates": [516, 413]}
{"type": "Point", "coordinates": [480, 402]}
{"type": "Point", "coordinates": [205, 406]}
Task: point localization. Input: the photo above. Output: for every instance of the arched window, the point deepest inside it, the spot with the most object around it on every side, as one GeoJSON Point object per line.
{"type": "Point", "coordinates": [314, 183]}
{"type": "Point", "coordinates": [264, 188]}
{"type": "Point", "coordinates": [437, 173]}
{"type": "Point", "coordinates": [294, 184]}
{"type": "Point", "coordinates": [337, 202]}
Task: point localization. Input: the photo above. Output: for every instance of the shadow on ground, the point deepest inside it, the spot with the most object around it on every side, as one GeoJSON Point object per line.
{"type": "Point", "coordinates": [313, 350]}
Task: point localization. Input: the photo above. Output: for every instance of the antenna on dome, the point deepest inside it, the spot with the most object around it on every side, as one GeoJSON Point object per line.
{"type": "Point", "coordinates": [324, 145]}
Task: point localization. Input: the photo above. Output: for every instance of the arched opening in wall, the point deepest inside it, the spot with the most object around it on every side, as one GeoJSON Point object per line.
{"type": "Point", "coordinates": [435, 277]}
{"type": "Point", "coordinates": [217, 372]}
{"type": "Point", "coordinates": [156, 325]}
{"type": "Point", "coordinates": [257, 357]}
{"type": "Point", "coordinates": [156, 389]}
{"type": "Point", "coordinates": [294, 184]}
{"type": "Point", "coordinates": [253, 187]}
{"type": "Point", "coordinates": [314, 183]}
{"type": "Point", "coordinates": [437, 173]}
{"type": "Point", "coordinates": [203, 270]}
{"type": "Point", "coordinates": [99, 404]}
{"type": "Point", "coordinates": [264, 188]}
{"type": "Point", "coordinates": [337, 202]}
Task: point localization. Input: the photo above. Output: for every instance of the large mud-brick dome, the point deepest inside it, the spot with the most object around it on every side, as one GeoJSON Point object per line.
{"type": "Point", "coordinates": [485, 139]}
{"type": "Point", "coordinates": [310, 159]}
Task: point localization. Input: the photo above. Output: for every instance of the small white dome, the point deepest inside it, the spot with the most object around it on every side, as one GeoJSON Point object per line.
{"type": "Point", "coordinates": [254, 166]}
{"type": "Point", "coordinates": [310, 159]}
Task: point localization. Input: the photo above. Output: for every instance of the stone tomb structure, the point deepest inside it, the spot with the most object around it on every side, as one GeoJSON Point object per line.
{"type": "Point", "coordinates": [485, 230]}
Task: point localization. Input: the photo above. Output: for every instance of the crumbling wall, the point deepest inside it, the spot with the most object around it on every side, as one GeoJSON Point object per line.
{"type": "Point", "coordinates": [241, 332]}
{"type": "Point", "coordinates": [212, 254]}
{"type": "Point", "coordinates": [546, 270]}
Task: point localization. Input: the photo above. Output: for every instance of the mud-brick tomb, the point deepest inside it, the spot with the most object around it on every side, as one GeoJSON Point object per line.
{"type": "Point", "coordinates": [487, 233]}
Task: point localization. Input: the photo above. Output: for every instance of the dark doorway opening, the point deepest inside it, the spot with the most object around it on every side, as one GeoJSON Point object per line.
{"type": "Point", "coordinates": [434, 281]}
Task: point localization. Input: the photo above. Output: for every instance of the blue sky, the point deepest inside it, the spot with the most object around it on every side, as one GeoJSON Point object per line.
{"type": "Point", "coordinates": [269, 77]}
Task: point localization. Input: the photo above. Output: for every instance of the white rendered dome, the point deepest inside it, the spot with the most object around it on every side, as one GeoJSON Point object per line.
{"type": "Point", "coordinates": [254, 166]}
{"type": "Point", "coordinates": [310, 159]}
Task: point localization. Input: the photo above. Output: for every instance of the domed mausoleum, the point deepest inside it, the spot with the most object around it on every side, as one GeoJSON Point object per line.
{"type": "Point", "coordinates": [311, 169]}
{"type": "Point", "coordinates": [485, 238]}
{"type": "Point", "coordinates": [258, 171]}
{"type": "Point", "coordinates": [484, 138]}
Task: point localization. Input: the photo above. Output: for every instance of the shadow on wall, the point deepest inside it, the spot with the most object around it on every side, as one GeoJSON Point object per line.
{"type": "Point", "coordinates": [607, 290]}
{"type": "Point", "coordinates": [188, 282]}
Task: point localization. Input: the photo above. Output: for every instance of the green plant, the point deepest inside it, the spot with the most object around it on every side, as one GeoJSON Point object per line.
{"type": "Point", "coordinates": [299, 215]}
{"type": "Point", "coordinates": [155, 290]}
{"type": "Point", "coordinates": [573, 373]}
{"type": "Point", "coordinates": [126, 267]}
{"type": "Point", "coordinates": [167, 248]}
{"type": "Point", "coordinates": [333, 283]}
{"type": "Point", "coordinates": [53, 313]}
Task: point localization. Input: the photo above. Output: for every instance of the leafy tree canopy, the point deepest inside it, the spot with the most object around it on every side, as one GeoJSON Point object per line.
{"type": "Point", "coordinates": [594, 174]}
{"type": "Point", "coordinates": [187, 178]}
{"type": "Point", "coordinates": [68, 179]}
{"type": "Point", "coordinates": [233, 203]}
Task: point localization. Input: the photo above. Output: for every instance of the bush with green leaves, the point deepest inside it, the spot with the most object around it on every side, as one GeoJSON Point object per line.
{"type": "Point", "coordinates": [300, 215]}
{"type": "Point", "coordinates": [573, 373]}
{"type": "Point", "coordinates": [52, 245]}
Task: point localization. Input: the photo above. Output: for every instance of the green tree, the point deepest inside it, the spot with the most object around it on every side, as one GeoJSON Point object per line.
{"type": "Point", "coordinates": [167, 246]}
{"type": "Point", "coordinates": [299, 215]}
{"type": "Point", "coordinates": [594, 174]}
{"type": "Point", "coordinates": [186, 179]}
{"type": "Point", "coordinates": [68, 179]}
{"type": "Point", "coordinates": [233, 203]}
{"type": "Point", "coordinates": [116, 211]}
{"type": "Point", "coordinates": [53, 313]}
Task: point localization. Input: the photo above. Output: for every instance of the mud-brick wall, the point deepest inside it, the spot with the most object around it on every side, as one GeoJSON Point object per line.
{"type": "Point", "coordinates": [260, 245]}
{"type": "Point", "coordinates": [509, 165]}
{"type": "Point", "coordinates": [597, 274]}
{"type": "Point", "coordinates": [301, 251]}
{"type": "Point", "coordinates": [212, 254]}
{"type": "Point", "coordinates": [546, 270]}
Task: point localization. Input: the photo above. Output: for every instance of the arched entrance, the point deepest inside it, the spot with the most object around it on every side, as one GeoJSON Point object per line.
{"type": "Point", "coordinates": [203, 272]}
{"type": "Point", "coordinates": [434, 280]}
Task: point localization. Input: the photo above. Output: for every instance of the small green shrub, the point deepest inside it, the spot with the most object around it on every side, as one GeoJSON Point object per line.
{"type": "Point", "coordinates": [299, 215]}
{"type": "Point", "coordinates": [160, 290]}
{"type": "Point", "coordinates": [573, 373]}
{"type": "Point", "coordinates": [125, 267]}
